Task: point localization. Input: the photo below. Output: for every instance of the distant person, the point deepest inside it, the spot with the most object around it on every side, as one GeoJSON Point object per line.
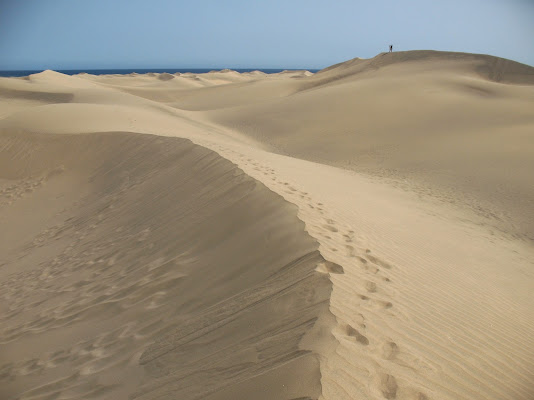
{"type": "Point", "coordinates": [391, 48]}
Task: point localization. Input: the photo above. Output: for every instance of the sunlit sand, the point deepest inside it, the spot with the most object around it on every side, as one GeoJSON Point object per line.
{"type": "Point", "coordinates": [364, 232]}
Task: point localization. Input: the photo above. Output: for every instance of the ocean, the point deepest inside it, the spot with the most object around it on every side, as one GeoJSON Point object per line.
{"type": "Point", "coordinates": [144, 71]}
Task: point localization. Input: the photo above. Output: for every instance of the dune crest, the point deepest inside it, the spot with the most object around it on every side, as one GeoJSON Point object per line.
{"type": "Point", "coordinates": [489, 67]}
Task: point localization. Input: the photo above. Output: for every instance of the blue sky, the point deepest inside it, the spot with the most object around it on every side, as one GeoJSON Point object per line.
{"type": "Point", "coordinates": [63, 34]}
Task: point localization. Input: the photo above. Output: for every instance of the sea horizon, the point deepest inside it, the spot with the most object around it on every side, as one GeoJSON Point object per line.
{"type": "Point", "coordinates": [124, 71]}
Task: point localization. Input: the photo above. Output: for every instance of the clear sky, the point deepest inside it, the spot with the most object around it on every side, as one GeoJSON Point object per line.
{"type": "Point", "coordinates": [76, 34]}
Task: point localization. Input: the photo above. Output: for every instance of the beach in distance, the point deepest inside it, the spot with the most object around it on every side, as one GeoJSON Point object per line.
{"type": "Point", "coordinates": [363, 231]}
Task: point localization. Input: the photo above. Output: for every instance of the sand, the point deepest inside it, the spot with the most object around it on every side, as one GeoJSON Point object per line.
{"type": "Point", "coordinates": [364, 232]}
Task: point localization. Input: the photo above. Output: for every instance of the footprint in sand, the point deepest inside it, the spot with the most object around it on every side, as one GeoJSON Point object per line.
{"type": "Point", "coordinates": [387, 384]}
{"type": "Point", "coordinates": [366, 266]}
{"type": "Point", "coordinates": [420, 396]}
{"type": "Point", "coordinates": [381, 304]}
{"type": "Point", "coordinates": [330, 228]}
{"type": "Point", "coordinates": [378, 261]}
{"type": "Point", "coordinates": [354, 333]}
{"type": "Point", "coordinates": [360, 320]}
{"type": "Point", "coordinates": [389, 350]}
{"type": "Point", "coordinates": [384, 304]}
{"type": "Point", "coordinates": [330, 267]}
{"type": "Point", "coordinates": [370, 286]}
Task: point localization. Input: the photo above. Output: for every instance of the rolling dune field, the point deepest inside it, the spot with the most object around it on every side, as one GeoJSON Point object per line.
{"type": "Point", "coordinates": [364, 232]}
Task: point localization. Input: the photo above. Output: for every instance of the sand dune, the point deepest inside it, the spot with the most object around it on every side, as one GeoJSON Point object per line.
{"type": "Point", "coordinates": [492, 68]}
{"type": "Point", "coordinates": [129, 265]}
{"type": "Point", "coordinates": [364, 232]}
{"type": "Point", "coordinates": [429, 120]}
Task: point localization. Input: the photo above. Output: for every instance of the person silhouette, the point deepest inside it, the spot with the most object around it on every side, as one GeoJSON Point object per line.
{"type": "Point", "coordinates": [391, 48]}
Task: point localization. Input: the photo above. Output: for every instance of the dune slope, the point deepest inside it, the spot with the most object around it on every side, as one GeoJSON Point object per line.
{"type": "Point", "coordinates": [127, 253]}
{"type": "Point", "coordinates": [489, 67]}
{"type": "Point", "coordinates": [430, 121]}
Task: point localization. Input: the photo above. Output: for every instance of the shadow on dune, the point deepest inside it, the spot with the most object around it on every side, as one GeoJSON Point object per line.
{"type": "Point", "coordinates": [147, 267]}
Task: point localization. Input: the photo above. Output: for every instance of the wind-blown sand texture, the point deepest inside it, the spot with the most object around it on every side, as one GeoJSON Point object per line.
{"type": "Point", "coordinates": [365, 232]}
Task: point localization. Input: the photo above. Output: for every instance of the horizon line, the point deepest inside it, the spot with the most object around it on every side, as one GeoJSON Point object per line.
{"type": "Point", "coordinates": [144, 68]}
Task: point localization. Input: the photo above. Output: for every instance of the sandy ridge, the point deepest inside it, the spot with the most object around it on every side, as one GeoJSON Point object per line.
{"type": "Point", "coordinates": [120, 268]}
